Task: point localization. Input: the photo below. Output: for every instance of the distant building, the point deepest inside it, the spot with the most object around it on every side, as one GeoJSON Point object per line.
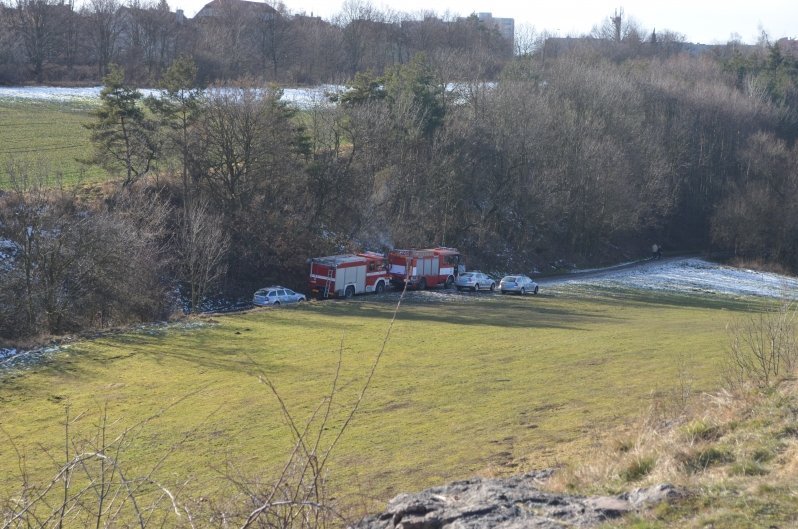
{"type": "Point", "coordinates": [217, 9]}
{"type": "Point", "coordinates": [506, 26]}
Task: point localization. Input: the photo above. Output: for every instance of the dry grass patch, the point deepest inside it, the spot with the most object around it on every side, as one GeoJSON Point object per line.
{"type": "Point", "coordinates": [733, 453]}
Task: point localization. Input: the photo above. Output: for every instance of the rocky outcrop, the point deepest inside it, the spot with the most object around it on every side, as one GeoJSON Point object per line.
{"type": "Point", "coordinates": [512, 503]}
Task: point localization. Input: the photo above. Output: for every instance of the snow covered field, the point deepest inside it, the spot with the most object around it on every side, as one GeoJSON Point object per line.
{"type": "Point", "coordinates": [300, 97]}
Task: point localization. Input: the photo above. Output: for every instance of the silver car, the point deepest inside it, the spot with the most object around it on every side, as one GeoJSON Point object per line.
{"type": "Point", "coordinates": [276, 296]}
{"type": "Point", "coordinates": [474, 281]}
{"type": "Point", "coordinates": [519, 284]}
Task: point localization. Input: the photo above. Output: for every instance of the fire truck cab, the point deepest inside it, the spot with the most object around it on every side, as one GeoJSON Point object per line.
{"type": "Point", "coordinates": [348, 274]}
{"type": "Point", "coordinates": [424, 268]}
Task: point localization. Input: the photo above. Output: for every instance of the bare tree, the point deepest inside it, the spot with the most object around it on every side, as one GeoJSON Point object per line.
{"type": "Point", "coordinates": [104, 29]}
{"type": "Point", "coordinates": [250, 161]}
{"type": "Point", "coordinates": [318, 50]}
{"type": "Point", "coordinates": [38, 25]}
{"type": "Point", "coordinates": [618, 28]}
{"type": "Point", "coordinates": [527, 40]}
{"type": "Point", "coordinates": [763, 348]}
{"type": "Point", "coordinates": [148, 39]}
{"type": "Point", "coordinates": [201, 250]}
{"type": "Point", "coordinates": [357, 20]}
{"type": "Point", "coordinates": [71, 28]}
{"type": "Point", "coordinates": [20, 286]}
{"type": "Point", "coordinates": [276, 40]}
{"type": "Point", "coordinates": [249, 144]}
{"type": "Point", "coordinates": [226, 39]}
{"type": "Point", "coordinates": [78, 265]}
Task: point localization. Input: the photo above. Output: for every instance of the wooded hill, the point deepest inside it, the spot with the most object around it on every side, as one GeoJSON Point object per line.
{"type": "Point", "coordinates": [586, 156]}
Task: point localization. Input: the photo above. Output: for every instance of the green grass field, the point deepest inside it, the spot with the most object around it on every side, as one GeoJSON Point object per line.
{"type": "Point", "coordinates": [485, 385]}
{"type": "Point", "coordinates": [46, 139]}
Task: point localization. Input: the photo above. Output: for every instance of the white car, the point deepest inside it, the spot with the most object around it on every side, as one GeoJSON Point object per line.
{"type": "Point", "coordinates": [519, 284]}
{"type": "Point", "coordinates": [276, 296]}
{"type": "Point", "coordinates": [475, 281]}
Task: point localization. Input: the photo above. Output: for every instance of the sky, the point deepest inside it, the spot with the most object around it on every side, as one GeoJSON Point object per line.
{"type": "Point", "coordinates": [704, 21]}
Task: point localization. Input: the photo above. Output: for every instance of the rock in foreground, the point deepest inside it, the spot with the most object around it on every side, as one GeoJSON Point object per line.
{"type": "Point", "coordinates": [511, 503]}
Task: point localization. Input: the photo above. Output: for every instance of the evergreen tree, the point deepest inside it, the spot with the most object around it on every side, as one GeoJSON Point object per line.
{"type": "Point", "coordinates": [178, 109]}
{"type": "Point", "coordinates": [123, 137]}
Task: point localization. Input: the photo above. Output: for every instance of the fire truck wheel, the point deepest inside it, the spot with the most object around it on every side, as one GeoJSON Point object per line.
{"type": "Point", "coordinates": [349, 292]}
{"type": "Point", "coordinates": [448, 283]}
{"type": "Point", "coordinates": [380, 288]}
{"type": "Point", "coordinates": [422, 284]}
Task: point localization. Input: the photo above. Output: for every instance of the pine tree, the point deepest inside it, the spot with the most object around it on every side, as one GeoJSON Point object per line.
{"type": "Point", "coordinates": [123, 137]}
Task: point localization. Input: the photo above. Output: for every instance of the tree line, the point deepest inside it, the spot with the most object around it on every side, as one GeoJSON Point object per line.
{"type": "Point", "coordinates": [54, 41]}
{"type": "Point", "coordinates": [582, 156]}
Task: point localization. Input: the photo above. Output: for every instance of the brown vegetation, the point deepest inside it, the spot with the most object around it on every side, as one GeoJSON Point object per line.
{"type": "Point", "coordinates": [731, 452]}
{"type": "Point", "coordinates": [49, 41]}
{"type": "Point", "coordinates": [579, 156]}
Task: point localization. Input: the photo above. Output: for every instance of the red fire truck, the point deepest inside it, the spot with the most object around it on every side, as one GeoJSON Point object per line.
{"type": "Point", "coordinates": [348, 274]}
{"type": "Point", "coordinates": [424, 268]}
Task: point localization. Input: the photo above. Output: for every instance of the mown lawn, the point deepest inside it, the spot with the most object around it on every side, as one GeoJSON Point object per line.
{"type": "Point", "coordinates": [46, 139]}
{"type": "Point", "coordinates": [475, 385]}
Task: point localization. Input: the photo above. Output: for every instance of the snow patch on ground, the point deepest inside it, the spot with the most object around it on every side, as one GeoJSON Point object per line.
{"type": "Point", "coordinates": [686, 276]}
{"type": "Point", "coordinates": [11, 359]}
{"type": "Point", "coordinates": [50, 93]}
{"type": "Point", "coordinates": [303, 98]}
{"type": "Point", "coordinates": [8, 251]}
{"type": "Point", "coordinates": [691, 275]}
{"type": "Point", "coordinates": [299, 97]}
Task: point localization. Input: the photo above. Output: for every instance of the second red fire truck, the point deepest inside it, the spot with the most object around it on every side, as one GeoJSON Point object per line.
{"type": "Point", "coordinates": [421, 269]}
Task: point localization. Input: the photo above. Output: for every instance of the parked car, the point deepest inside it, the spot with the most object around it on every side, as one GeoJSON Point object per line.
{"type": "Point", "coordinates": [275, 296]}
{"type": "Point", "coordinates": [474, 281]}
{"type": "Point", "coordinates": [518, 284]}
